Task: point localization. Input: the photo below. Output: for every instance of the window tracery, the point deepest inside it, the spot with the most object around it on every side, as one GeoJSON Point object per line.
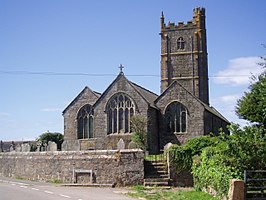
{"type": "Point", "coordinates": [85, 122]}
{"type": "Point", "coordinates": [119, 109]}
{"type": "Point", "coordinates": [176, 116]}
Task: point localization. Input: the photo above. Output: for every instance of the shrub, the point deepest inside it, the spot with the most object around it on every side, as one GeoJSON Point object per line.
{"type": "Point", "coordinates": [138, 125]}
{"type": "Point", "coordinates": [181, 156]}
{"type": "Point", "coordinates": [214, 161]}
{"type": "Point", "coordinates": [217, 165]}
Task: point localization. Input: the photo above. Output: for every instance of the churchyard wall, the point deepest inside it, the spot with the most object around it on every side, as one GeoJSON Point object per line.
{"type": "Point", "coordinates": [115, 167]}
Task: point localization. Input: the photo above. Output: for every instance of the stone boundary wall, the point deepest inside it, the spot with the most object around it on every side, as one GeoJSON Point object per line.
{"type": "Point", "coordinates": [182, 178]}
{"type": "Point", "coordinates": [116, 167]}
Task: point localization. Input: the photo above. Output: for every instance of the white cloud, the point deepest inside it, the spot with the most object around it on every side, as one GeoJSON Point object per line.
{"type": "Point", "coordinates": [238, 71]}
{"type": "Point", "coordinates": [226, 105]}
{"type": "Point", "coordinates": [51, 109]}
{"type": "Point", "coordinates": [230, 99]}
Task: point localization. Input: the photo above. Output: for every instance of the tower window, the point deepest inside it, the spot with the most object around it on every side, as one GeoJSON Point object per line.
{"type": "Point", "coordinates": [85, 122]}
{"type": "Point", "coordinates": [180, 43]}
{"type": "Point", "coordinates": [176, 116]}
{"type": "Point", "coordinates": [119, 109]}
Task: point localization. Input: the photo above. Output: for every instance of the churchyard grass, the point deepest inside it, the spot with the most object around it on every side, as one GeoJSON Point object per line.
{"type": "Point", "coordinates": [168, 194]}
{"type": "Point", "coordinates": [154, 157]}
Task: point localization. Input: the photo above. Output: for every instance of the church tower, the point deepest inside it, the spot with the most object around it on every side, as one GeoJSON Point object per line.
{"type": "Point", "coordinates": [184, 55]}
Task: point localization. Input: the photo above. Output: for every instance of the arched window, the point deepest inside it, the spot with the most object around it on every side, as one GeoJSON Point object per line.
{"type": "Point", "coordinates": [180, 43]}
{"type": "Point", "coordinates": [85, 122]}
{"type": "Point", "coordinates": [176, 118]}
{"type": "Point", "coordinates": [120, 108]}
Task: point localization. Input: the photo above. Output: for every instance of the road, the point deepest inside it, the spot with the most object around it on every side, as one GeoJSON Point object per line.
{"type": "Point", "coordinates": [12, 189]}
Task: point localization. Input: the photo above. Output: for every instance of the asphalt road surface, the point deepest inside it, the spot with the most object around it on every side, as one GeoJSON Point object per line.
{"type": "Point", "coordinates": [12, 189]}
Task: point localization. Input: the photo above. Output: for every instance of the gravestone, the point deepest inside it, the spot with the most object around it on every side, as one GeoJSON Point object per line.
{"type": "Point", "coordinates": [121, 144]}
{"type": "Point", "coordinates": [39, 145]}
{"type": "Point", "coordinates": [132, 145]}
{"type": "Point", "coordinates": [45, 147]}
{"type": "Point", "coordinates": [12, 148]}
{"type": "Point", "coordinates": [52, 146]}
{"type": "Point", "coordinates": [167, 146]}
{"type": "Point", "coordinates": [71, 145]}
{"type": "Point", "coordinates": [18, 148]}
{"type": "Point", "coordinates": [25, 147]}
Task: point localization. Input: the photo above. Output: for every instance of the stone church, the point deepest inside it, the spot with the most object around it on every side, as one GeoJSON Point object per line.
{"type": "Point", "coordinates": [100, 120]}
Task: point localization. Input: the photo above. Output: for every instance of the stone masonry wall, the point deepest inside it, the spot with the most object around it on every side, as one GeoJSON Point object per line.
{"type": "Point", "coordinates": [195, 125]}
{"type": "Point", "coordinates": [120, 168]}
{"type": "Point", "coordinates": [70, 114]}
{"type": "Point", "coordinates": [100, 117]}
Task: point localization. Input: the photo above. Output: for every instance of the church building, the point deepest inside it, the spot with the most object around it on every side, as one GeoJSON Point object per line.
{"type": "Point", "coordinates": [182, 111]}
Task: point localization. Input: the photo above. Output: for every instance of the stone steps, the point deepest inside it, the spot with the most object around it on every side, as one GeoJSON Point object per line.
{"type": "Point", "coordinates": [156, 174]}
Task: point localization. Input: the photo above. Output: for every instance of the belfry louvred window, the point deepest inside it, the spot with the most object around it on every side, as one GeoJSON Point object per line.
{"type": "Point", "coordinates": [180, 43]}
{"type": "Point", "coordinates": [176, 116]}
{"type": "Point", "coordinates": [85, 122]}
{"type": "Point", "coordinates": [120, 108]}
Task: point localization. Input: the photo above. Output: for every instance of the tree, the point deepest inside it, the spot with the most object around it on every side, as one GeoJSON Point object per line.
{"type": "Point", "coordinates": [138, 126]}
{"type": "Point", "coordinates": [58, 138]}
{"type": "Point", "coordinates": [252, 106]}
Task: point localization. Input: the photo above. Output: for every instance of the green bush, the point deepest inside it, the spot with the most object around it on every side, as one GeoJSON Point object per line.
{"type": "Point", "coordinates": [211, 171]}
{"type": "Point", "coordinates": [58, 138]}
{"type": "Point", "coordinates": [181, 156]}
{"type": "Point", "coordinates": [214, 161]}
{"type": "Point", "coordinates": [217, 165]}
{"type": "Point", "coordinates": [138, 125]}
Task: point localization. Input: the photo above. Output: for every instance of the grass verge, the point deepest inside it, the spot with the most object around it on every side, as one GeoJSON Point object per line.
{"type": "Point", "coordinates": [172, 194]}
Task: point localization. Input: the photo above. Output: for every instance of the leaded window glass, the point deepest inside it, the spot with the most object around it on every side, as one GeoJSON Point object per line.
{"type": "Point", "coordinates": [120, 108]}
{"type": "Point", "coordinates": [85, 122]}
{"type": "Point", "coordinates": [176, 118]}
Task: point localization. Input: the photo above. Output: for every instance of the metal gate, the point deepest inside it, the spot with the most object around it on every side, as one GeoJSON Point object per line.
{"type": "Point", "coordinates": [255, 184]}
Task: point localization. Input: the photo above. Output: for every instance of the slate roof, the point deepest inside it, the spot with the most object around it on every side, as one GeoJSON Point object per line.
{"type": "Point", "coordinates": [149, 96]}
{"type": "Point", "coordinates": [207, 107]}
{"type": "Point", "coordinates": [215, 112]}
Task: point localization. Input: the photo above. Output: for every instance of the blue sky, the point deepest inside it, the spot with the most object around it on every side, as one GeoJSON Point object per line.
{"type": "Point", "coordinates": [65, 37]}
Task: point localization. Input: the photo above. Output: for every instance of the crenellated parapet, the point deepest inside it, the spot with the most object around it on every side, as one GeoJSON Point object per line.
{"type": "Point", "coordinates": [197, 22]}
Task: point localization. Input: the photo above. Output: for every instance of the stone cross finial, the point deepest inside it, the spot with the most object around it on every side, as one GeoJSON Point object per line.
{"type": "Point", "coordinates": [121, 68]}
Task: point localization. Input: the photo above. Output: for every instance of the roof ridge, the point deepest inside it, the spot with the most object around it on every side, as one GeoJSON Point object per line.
{"type": "Point", "coordinates": [143, 88]}
{"type": "Point", "coordinates": [82, 91]}
{"type": "Point", "coordinates": [206, 106]}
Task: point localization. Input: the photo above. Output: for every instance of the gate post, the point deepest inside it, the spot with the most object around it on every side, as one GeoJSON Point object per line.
{"type": "Point", "coordinates": [236, 191]}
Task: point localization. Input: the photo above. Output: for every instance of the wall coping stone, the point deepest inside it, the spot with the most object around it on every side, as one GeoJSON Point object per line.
{"type": "Point", "coordinates": [87, 152]}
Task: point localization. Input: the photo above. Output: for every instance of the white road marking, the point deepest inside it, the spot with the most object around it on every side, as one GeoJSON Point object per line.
{"type": "Point", "coordinates": [49, 192]}
{"type": "Point", "coordinates": [24, 185]}
{"type": "Point", "coordinates": [62, 195]}
{"type": "Point", "coordinates": [20, 183]}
